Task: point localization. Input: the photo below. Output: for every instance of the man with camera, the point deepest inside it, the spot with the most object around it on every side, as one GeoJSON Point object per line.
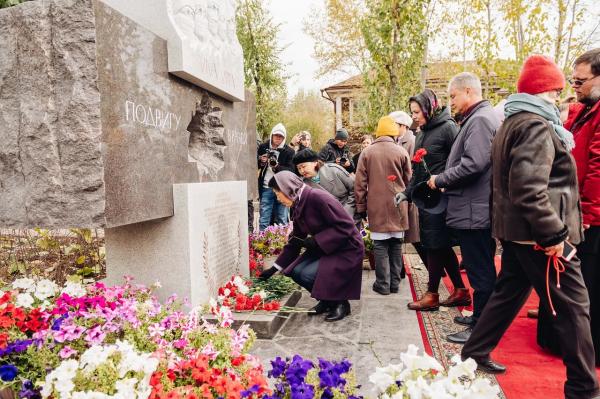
{"type": "Point", "coordinates": [336, 151]}
{"type": "Point", "coordinates": [273, 156]}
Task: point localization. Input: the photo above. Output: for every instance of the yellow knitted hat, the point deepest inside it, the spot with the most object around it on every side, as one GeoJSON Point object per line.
{"type": "Point", "coordinates": [387, 127]}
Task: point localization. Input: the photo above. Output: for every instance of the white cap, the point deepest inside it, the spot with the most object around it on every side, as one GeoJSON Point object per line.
{"type": "Point", "coordinates": [279, 129]}
{"type": "Point", "coordinates": [401, 118]}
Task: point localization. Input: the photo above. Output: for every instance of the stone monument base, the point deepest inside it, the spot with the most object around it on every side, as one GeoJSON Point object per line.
{"type": "Point", "coordinates": [265, 324]}
{"type": "Point", "coordinates": [192, 253]}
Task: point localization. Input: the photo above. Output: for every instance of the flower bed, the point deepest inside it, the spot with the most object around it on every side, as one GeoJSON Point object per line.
{"type": "Point", "coordinates": [119, 342]}
{"type": "Point", "coordinates": [99, 342]}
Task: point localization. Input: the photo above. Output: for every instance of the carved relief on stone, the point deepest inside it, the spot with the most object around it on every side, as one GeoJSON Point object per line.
{"type": "Point", "coordinates": [207, 144]}
{"type": "Point", "coordinates": [207, 28]}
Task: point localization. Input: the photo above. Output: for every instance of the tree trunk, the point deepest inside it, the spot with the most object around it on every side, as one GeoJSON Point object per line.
{"type": "Point", "coordinates": [562, 16]}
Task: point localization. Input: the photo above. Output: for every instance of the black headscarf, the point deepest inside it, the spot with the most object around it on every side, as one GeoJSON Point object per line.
{"type": "Point", "coordinates": [427, 100]}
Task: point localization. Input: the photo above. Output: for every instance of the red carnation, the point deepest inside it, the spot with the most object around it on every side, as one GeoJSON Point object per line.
{"type": "Point", "coordinates": [419, 155]}
{"type": "Point", "coordinates": [392, 178]}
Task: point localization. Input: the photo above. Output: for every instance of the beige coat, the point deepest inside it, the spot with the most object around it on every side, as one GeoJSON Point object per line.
{"type": "Point", "coordinates": [412, 234]}
{"type": "Point", "coordinates": [374, 191]}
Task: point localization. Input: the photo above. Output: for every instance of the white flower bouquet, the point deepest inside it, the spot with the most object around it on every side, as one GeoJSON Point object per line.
{"type": "Point", "coordinates": [103, 372]}
{"type": "Point", "coordinates": [423, 377]}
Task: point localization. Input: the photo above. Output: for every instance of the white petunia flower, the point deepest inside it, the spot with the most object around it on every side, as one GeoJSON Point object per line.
{"type": "Point", "coordinates": [24, 300]}
{"type": "Point", "coordinates": [381, 379]}
{"type": "Point", "coordinates": [413, 361]}
{"type": "Point", "coordinates": [45, 289]}
{"type": "Point", "coordinates": [74, 289]}
{"type": "Point", "coordinates": [26, 284]}
{"type": "Point", "coordinates": [462, 369]}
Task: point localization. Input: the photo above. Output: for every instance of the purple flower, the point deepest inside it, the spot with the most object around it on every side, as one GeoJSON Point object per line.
{"type": "Point", "coordinates": [327, 394]}
{"type": "Point", "coordinates": [253, 390]}
{"type": "Point", "coordinates": [330, 374]}
{"type": "Point", "coordinates": [8, 372]}
{"type": "Point", "coordinates": [278, 367]}
{"type": "Point", "coordinates": [297, 370]}
{"type": "Point", "coordinates": [302, 391]}
{"type": "Point", "coordinates": [28, 391]}
{"type": "Point", "coordinates": [16, 347]}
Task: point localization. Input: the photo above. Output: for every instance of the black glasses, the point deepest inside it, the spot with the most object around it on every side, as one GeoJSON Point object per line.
{"type": "Point", "coordinates": [579, 82]}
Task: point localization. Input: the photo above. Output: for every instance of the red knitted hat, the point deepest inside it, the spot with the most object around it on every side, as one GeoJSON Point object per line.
{"type": "Point", "coordinates": [540, 74]}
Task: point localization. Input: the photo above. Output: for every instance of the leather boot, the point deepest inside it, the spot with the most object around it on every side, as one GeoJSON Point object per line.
{"type": "Point", "coordinates": [320, 308]}
{"type": "Point", "coordinates": [460, 297]}
{"type": "Point", "coordinates": [340, 310]}
{"type": "Point", "coordinates": [429, 301]}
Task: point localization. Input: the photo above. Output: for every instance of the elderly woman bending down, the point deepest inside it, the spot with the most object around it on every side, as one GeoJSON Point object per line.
{"type": "Point", "coordinates": [330, 267]}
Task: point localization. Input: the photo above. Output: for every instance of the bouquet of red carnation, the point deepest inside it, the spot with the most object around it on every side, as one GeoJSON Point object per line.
{"type": "Point", "coordinates": [419, 157]}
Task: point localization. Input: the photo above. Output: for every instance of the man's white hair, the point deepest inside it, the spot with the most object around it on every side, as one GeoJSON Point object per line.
{"type": "Point", "coordinates": [466, 80]}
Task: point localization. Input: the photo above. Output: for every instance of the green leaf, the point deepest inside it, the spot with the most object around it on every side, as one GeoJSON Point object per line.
{"type": "Point", "coordinates": [81, 260]}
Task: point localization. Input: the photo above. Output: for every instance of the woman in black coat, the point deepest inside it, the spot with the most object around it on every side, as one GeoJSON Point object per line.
{"type": "Point", "coordinates": [437, 133]}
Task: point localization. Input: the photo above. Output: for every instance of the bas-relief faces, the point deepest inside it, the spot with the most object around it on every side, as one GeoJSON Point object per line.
{"type": "Point", "coordinates": [208, 33]}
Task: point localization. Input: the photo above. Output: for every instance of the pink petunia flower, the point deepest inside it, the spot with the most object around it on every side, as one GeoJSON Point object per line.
{"type": "Point", "coordinates": [67, 352]}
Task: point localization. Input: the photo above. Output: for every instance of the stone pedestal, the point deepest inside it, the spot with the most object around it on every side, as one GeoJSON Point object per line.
{"type": "Point", "coordinates": [192, 253]}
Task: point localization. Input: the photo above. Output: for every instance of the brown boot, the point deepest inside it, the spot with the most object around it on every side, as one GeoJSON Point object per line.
{"type": "Point", "coordinates": [429, 301]}
{"type": "Point", "coordinates": [460, 297]}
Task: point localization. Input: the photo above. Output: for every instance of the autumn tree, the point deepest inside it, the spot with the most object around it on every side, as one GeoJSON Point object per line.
{"type": "Point", "coordinates": [394, 33]}
{"type": "Point", "coordinates": [263, 68]}
{"type": "Point", "coordinates": [307, 110]}
{"type": "Point", "coordinates": [335, 30]}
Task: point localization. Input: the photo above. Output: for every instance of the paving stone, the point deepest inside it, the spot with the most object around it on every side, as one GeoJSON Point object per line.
{"type": "Point", "coordinates": [378, 330]}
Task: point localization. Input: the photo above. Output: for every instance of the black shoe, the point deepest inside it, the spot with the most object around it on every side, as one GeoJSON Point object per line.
{"type": "Point", "coordinates": [465, 321]}
{"type": "Point", "coordinates": [380, 290]}
{"type": "Point", "coordinates": [489, 366]}
{"type": "Point", "coordinates": [394, 290]}
{"type": "Point", "coordinates": [320, 308]}
{"type": "Point", "coordinates": [341, 310]}
{"type": "Point", "coordinates": [460, 337]}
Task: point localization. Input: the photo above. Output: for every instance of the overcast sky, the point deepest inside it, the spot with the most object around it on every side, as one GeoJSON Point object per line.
{"type": "Point", "coordinates": [298, 54]}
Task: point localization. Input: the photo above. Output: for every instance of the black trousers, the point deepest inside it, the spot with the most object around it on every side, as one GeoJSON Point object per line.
{"type": "Point", "coordinates": [478, 249]}
{"type": "Point", "coordinates": [522, 268]}
{"type": "Point", "coordinates": [589, 255]}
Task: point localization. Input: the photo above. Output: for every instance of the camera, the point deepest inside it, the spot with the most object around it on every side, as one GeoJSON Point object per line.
{"type": "Point", "coordinates": [344, 158]}
{"type": "Point", "coordinates": [273, 155]}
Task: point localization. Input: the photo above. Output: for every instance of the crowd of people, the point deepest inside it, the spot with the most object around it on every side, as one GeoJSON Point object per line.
{"type": "Point", "coordinates": [525, 180]}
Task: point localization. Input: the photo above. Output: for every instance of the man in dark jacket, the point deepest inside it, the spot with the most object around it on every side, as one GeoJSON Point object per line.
{"type": "Point", "coordinates": [336, 151]}
{"type": "Point", "coordinates": [584, 122]}
{"type": "Point", "coordinates": [466, 182]}
{"type": "Point", "coordinates": [536, 215]}
{"type": "Point", "coordinates": [273, 156]}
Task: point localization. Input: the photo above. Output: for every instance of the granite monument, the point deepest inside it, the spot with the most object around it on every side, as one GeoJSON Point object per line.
{"type": "Point", "coordinates": [107, 105]}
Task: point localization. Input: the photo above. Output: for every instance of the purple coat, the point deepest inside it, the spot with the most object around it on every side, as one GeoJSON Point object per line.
{"type": "Point", "coordinates": [320, 215]}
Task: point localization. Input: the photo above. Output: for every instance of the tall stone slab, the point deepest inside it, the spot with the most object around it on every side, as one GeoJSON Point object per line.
{"type": "Point", "coordinates": [98, 130]}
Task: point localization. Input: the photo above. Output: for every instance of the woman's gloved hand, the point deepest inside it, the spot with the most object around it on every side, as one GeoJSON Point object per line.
{"type": "Point", "coordinates": [311, 245]}
{"type": "Point", "coordinates": [267, 274]}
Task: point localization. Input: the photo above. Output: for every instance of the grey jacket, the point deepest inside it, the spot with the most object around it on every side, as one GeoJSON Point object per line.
{"type": "Point", "coordinates": [468, 170]}
{"type": "Point", "coordinates": [338, 182]}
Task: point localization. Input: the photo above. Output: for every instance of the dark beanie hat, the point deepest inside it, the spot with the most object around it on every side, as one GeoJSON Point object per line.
{"type": "Point", "coordinates": [305, 155]}
{"type": "Point", "coordinates": [341, 134]}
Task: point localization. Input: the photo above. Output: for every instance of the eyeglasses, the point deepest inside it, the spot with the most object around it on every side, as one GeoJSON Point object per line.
{"type": "Point", "coordinates": [580, 82]}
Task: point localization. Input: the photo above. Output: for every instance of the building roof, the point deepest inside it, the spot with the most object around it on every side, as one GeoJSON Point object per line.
{"type": "Point", "coordinates": [438, 74]}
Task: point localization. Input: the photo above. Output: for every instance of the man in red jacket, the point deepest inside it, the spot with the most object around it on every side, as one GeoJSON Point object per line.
{"type": "Point", "coordinates": [584, 122]}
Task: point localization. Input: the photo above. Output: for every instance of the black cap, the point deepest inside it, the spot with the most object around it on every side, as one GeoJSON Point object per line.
{"type": "Point", "coordinates": [341, 134]}
{"type": "Point", "coordinates": [305, 155]}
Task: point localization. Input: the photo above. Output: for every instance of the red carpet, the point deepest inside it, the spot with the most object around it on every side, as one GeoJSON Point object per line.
{"type": "Point", "coordinates": [531, 372]}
